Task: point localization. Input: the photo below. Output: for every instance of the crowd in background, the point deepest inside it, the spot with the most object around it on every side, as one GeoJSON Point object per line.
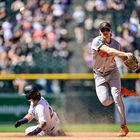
{"type": "Point", "coordinates": [124, 17]}
{"type": "Point", "coordinates": [36, 41]}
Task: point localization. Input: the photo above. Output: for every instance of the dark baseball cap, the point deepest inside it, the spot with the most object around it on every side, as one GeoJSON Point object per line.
{"type": "Point", "coordinates": [104, 24]}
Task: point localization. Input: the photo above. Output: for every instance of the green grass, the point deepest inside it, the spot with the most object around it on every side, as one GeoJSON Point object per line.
{"type": "Point", "coordinates": [77, 128]}
{"type": "Point", "coordinates": [98, 127]}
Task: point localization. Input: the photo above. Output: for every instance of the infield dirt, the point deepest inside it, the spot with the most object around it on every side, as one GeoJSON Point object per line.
{"type": "Point", "coordinates": [73, 136]}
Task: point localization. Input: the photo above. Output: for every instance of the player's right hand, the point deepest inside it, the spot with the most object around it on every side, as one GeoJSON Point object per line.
{"type": "Point", "coordinates": [18, 123]}
{"type": "Point", "coordinates": [129, 55]}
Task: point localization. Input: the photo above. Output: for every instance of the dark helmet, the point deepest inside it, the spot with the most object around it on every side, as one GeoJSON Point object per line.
{"type": "Point", "coordinates": [31, 92]}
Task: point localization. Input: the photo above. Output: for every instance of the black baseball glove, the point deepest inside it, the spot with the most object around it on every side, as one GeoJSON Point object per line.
{"type": "Point", "coordinates": [132, 64]}
{"type": "Point", "coordinates": [33, 133]}
{"type": "Point", "coordinates": [18, 123]}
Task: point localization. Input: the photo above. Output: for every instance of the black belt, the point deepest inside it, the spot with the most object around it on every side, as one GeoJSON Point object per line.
{"type": "Point", "coordinates": [102, 72]}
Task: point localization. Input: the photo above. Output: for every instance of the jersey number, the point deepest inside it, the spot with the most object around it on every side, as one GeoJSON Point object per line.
{"type": "Point", "coordinates": [51, 112]}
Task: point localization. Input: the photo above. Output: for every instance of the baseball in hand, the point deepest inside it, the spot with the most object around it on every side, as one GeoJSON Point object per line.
{"type": "Point", "coordinates": [22, 10]}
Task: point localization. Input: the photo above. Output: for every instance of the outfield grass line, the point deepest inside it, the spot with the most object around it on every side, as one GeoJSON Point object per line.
{"type": "Point", "coordinates": [76, 127]}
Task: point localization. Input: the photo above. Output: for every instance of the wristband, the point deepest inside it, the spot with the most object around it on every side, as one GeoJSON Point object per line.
{"type": "Point", "coordinates": [37, 130]}
{"type": "Point", "coordinates": [24, 120]}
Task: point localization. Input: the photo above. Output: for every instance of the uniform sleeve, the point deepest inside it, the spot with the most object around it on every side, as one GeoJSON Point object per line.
{"type": "Point", "coordinates": [40, 110]}
{"type": "Point", "coordinates": [31, 109]}
{"type": "Point", "coordinates": [96, 43]}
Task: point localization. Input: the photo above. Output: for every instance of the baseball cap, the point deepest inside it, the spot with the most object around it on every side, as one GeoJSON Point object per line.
{"type": "Point", "coordinates": [104, 24]}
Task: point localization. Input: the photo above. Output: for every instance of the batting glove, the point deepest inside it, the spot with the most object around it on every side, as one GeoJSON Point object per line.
{"type": "Point", "coordinates": [32, 133]}
{"type": "Point", "coordinates": [18, 123]}
{"type": "Point", "coordinates": [35, 132]}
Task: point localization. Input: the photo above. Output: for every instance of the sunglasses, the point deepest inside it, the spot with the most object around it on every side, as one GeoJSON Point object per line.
{"type": "Point", "coordinates": [105, 29]}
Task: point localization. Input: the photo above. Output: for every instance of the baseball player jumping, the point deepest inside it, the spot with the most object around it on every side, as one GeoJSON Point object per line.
{"type": "Point", "coordinates": [106, 74]}
{"type": "Point", "coordinates": [40, 110]}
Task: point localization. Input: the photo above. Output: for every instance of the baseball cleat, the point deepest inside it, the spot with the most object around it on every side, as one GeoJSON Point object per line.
{"type": "Point", "coordinates": [124, 131]}
{"type": "Point", "coordinates": [60, 133]}
{"type": "Point", "coordinates": [125, 92]}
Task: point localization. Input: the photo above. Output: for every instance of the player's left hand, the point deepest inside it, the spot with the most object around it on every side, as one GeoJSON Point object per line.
{"type": "Point", "coordinates": [33, 133]}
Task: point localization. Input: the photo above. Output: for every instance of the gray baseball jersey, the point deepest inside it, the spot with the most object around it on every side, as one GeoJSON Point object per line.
{"type": "Point", "coordinates": [107, 76]}
{"type": "Point", "coordinates": [103, 64]}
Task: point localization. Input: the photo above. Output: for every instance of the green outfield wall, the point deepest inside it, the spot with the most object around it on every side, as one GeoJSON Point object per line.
{"type": "Point", "coordinates": [77, 103]}
{"type": "Point", "coordinates": [14, 107]}
{"type": "Point", "coordinates": [71, 108]}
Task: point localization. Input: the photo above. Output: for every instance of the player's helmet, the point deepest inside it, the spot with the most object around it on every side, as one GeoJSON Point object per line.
{"type": "Point", "coordinates": [31, 92]}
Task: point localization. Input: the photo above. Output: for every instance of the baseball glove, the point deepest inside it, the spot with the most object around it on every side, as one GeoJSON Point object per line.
{"type": "Point", "coordinates": [132, 64]}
